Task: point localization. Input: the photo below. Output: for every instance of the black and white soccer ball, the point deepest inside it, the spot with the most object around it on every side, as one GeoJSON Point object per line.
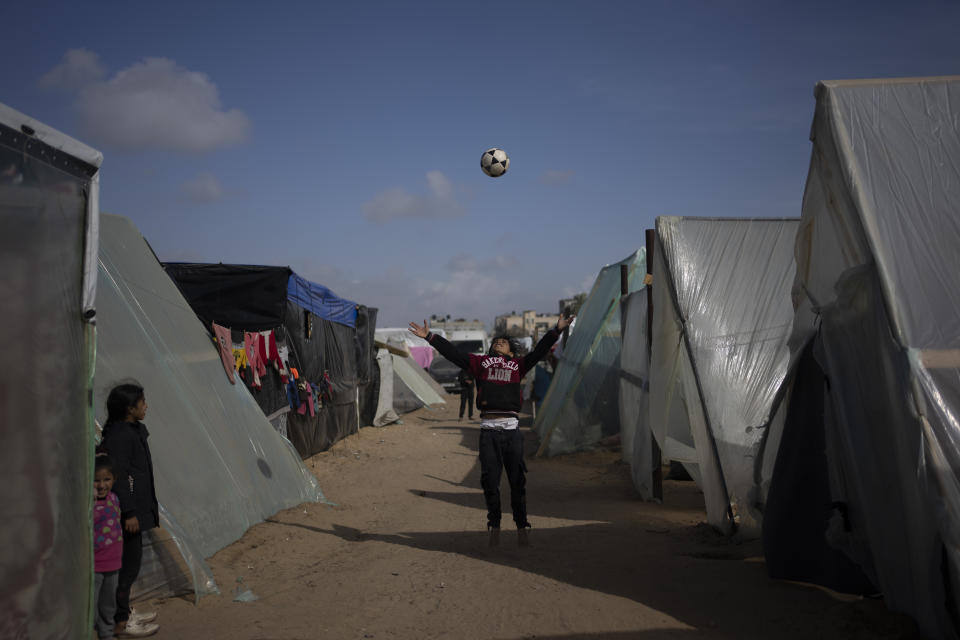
{"type": "Point", "coordinates": [494, 162]}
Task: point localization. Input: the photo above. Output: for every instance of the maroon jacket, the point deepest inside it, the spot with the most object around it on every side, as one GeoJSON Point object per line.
{"type": "Point", "coordinates": [498, 378]}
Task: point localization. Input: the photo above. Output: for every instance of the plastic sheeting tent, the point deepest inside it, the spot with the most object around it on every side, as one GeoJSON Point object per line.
{"type": "Point", "coordinates": [722, 321]}
{"type": "Point", "coordinates": [635, 433]}
{"type": "Point", "coordinates": [48, 234]}
{"type": "Point", "coordinates": [220, 467]}
{"type": "Point", "coordinates": [582, 406]}
{"type": "Point", "coordinates": [878, 257]}
{"type": "Point", "coordinates": [418, 348]}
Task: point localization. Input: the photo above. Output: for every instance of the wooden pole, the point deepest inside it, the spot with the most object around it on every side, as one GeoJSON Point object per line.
{"type": "Point", "coordinates": [657, 479]}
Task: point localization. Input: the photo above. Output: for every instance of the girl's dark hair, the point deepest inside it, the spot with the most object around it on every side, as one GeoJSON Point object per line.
{"type": "Point", "coordinates": [102, 461]}
{"type": "Point", "coordinates": [122, 397]}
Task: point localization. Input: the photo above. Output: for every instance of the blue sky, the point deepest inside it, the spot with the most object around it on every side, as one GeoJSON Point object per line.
{"type": "Point", "coordinates": [345, 140]}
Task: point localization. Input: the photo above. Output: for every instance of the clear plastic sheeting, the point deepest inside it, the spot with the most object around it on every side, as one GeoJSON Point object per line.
{"type": "Point", "coordinates": [220, 466]}
{"type": "Point", "coordinates": [635, 433]}
{"type": "Point", "coordinates": [878, 261]}
{"type": "Point", "coordinates": [722, 352]}
{"type": "Point", "coordinates": [46, 428]}
{"type": "Point", "coordinates": [172, 564]}
{"type": "Point", "coordinates": [582, 405]}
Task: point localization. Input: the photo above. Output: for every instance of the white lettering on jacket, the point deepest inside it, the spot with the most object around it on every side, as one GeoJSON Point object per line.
{"type": "Point", "coordinates": [486, 363]}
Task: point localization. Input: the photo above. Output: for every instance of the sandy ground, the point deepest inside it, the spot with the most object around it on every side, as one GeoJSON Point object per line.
{"type": "Point", "coordinates": [404, 554]}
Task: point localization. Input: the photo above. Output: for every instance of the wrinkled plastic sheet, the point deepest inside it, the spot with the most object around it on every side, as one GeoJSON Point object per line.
{"type": "Point", "coordinates": [582, 407]}
{"type": "Point", "coordinates": [219, 465]}
{"type": "Point", "coordinates": [725, 318]}
{"type": "Point", "coordinates": [878, 261]}
{"type": "Point", "coordinates": [46, 434]}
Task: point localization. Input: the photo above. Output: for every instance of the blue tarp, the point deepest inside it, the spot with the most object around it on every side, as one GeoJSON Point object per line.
{"type": "Point", "coordinates": [321, 301]}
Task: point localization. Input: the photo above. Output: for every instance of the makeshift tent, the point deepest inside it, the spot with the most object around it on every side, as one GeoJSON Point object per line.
{"type": "Point", "coordinates": [722, 320]}
{"type": "Point", "coordinates": [878, 263]}
{"type": "Point", "coordinates": [330, 343]}
{"type": "Point", "coordinates": [582, 406]}
{"type": "Point", "coordinates": [412, 386]}
{"type": "Point", "coordinates": [418, 348]}
{"type": "Point", "coordinates": [635, 434]}
{"type": "Point", "coordinates": [220, 467]}
{"type": "Point", "coordinates": [48, 233]}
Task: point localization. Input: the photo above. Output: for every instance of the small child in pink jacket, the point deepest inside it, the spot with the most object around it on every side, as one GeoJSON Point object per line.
{"type": "Point", "coordinates": [107, 545]}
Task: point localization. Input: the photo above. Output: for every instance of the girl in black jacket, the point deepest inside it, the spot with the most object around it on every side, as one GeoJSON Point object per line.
{"type": "Point", "coordinates": [125, 440]}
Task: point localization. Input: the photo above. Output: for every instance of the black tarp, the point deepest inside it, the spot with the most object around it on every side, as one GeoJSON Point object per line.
{"type": "Point", "coordinates": [368, 373]}
{"type": "Point", "coordinates": [250, 297]}
{"type": "Point", "coordinates": [340, 358]}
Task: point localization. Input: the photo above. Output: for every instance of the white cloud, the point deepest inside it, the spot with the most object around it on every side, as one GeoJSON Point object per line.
{"type": "Point", "coordinates": [585, 286]}
{"type": "Point", "coordinates": [203, 189]}
{"type": "Point", "coordinates": [439, 201]}
{"type": "Point", "coordinates": [556, 177]}
{"type": "Point", "coordinates": [151, 105]}
{"type": "Point", "coordinates": [79, 68]}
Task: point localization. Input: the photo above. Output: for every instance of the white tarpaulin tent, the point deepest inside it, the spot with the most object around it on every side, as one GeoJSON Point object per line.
{"type": "Point", "coordinates": [722, 321]}
{"type": "Point", "coordinates": [220, 467]}
{"type": "Point", "coordinates": [582, 407]}
{"type": "Point", "coordinates": [878, 261]}
{"type": "Point", "coordinates": [48, 248]}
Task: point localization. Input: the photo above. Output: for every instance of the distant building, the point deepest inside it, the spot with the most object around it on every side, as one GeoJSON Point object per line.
{"type": "Point", "coordinates": [459, 324]}
{"type": "Point", "coordinates": [529, 323]}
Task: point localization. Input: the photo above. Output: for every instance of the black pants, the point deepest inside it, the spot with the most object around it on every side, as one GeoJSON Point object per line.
{"type": "Point", "coordinates": [129, 570]}
{"type": "Point", "coordinates": [503, 450]}
{"type": "Point", "coordinates": [466, 400]}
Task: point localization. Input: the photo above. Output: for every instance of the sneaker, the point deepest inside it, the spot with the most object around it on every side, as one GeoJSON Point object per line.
{"type": "Point", "coordinates": [523, 537]}
{"type": "Point", "coordinates": [494, 536]}
{"type": "Point", "coordinates": [137, 617]}
{"type": "Point", "coordinates": [134, 630]}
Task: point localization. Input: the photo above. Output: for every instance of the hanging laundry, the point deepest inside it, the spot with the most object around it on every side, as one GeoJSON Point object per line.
{"type": "Point", "coordinates": [284, 354]}
{"type": "Point", "coordinates": [262, 343]}
{"type": "Point", "coordinates": [239, 358]}
{"type": "Point", "coordinates": [251, 342]}
{"type": "Point", "coordinates": [222, 337]}
{"type": "Point", "coordinates": [306, 398]}
{"type": "Point", "coordinates": [293, 398]}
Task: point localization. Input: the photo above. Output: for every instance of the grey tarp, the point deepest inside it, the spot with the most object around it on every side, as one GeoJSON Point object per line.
{"type": "Point", "coordinates": [220, 467]}
{"type": "Point", "coordinates": [722, 320]}
{"type": "Point", "coordinates": [878, 260]}
{"type": "Point", "coordinates": [47, 225]}
{"type": "Point", "coordinates": [582, 407]}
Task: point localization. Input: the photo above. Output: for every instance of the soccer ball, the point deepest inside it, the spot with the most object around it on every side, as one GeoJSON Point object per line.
{"type": "Point", "coordinates": [494, 162]}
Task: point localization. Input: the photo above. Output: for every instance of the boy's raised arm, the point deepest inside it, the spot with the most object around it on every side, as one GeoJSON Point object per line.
{"type": "Point", "coordinates": [446, 349]}
{"type": "Point", "coordinates": [543, 347]}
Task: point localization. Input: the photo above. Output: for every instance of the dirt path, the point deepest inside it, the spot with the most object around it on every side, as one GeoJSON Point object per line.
{"type": "Point", "coordinates": [404, 554]}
